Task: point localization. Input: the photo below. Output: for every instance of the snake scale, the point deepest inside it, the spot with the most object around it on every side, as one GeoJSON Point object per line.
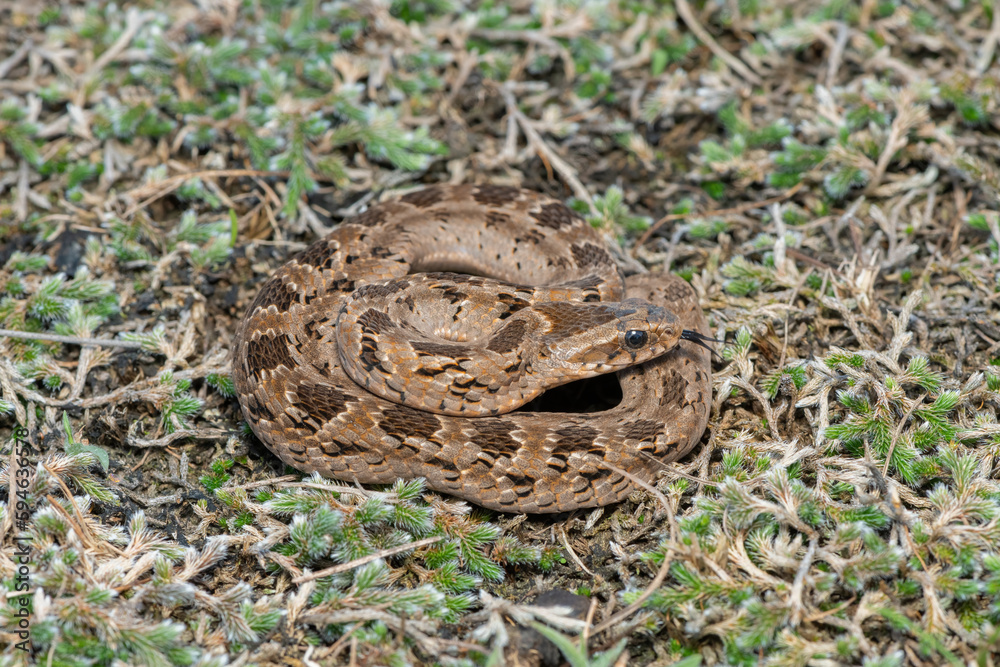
{"type": "Point", "coordinates": [472, 350]}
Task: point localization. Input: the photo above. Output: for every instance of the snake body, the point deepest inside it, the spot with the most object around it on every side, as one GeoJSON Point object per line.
{"type": "Point", "coordinates": [440, 358]}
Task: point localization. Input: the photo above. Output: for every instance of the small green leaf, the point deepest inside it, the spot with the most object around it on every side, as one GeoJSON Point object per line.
{"type": "Point", "coordinates": [98, 452]}
{"type": "Point", "coordinates": [575, 654]}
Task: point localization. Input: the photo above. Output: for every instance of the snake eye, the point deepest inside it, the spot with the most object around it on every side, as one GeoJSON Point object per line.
{"type": "Point", "coordinates": [634, 339]}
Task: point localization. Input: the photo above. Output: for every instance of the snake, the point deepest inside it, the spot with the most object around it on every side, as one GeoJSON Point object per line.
{"type": "Point", "coordinates": [413, 340]}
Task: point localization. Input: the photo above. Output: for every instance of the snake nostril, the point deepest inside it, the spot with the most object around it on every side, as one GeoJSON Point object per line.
{"type": "Point", "coordinates": [634, 339]}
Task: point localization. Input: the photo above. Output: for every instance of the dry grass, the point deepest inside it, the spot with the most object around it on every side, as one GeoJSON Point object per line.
{"type": "Point", "coordinates": [825, 174]}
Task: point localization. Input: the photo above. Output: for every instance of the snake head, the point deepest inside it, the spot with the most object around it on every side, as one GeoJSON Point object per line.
{"type": "Point", "coordinates": [601, 338]}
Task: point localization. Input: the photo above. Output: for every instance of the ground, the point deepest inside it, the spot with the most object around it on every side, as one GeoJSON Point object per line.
{"type": "Point", "coordinates": [824, 174]}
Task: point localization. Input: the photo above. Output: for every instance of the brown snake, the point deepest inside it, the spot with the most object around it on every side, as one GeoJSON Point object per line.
{"type": "Point", "coordinates": [355, 287]}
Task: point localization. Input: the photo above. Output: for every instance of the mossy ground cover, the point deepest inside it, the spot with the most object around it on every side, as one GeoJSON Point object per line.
{"type": "Point", "coordinates": [824, 174]}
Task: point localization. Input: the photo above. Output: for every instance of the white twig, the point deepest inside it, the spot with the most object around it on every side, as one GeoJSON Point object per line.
{"type": "Point", "coordinates": [533, 37]}
{"type": "Point", "coordinates": [799, 584]}
{"type": "Point", "coordinates": [734, 63]}
{"type": "Point", "coordinates": [358, 562]}
{"type": "Point", "coordinates": [543, 150]}
{"type": "Point", "coordinates": [990, 43]}
{"type": "Point", "coordinates": [15, 58]}
{"type": "Point", "coordinates": [72, 340]}
{"type": "Point", "coordinates": [133, 21]}
{"type": "Point", "coordinates": [572, 552]}
{"type": "Point", "coordinates": [837, 53]}
{"type": "Point", "coordinates": [668, 555]}
{"type": "Point", "coordinates": [169, 439]}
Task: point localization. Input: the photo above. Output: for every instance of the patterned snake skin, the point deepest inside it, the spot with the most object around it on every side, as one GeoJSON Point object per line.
{"type": "Point", "coordinates": [301, 403]}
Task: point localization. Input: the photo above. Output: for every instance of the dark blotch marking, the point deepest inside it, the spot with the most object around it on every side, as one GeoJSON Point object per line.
{"type": "Point", "coordinates": [512, 302]}
{"type": "Point", "coordinates": [575, 439]}
{"type": "Point", "coordinates": [381, 253]}
{"type": "Point", "coordinates": [508, 337]}
{"type": "Point", "coordinates": [643, 430]}
{"type": "Point", "coordinates": [319, 255]}
{"type": "Point", "coordinates": [497, 219]}
{"type": "Point", "coordinates": [495, 195]}
{"type": "Point", "coordinates": [427, 348]}
{"type": "Point", "coordinates": [312, 329]}
{"type": "Point", "coordinates": [453, 294]}
{"type": "Point", "coordinates": [368, 356]}
{"type": "Point", "coordinates": [371, 218]}
{"type": "Point", "coordinates": [374, 322]}
{"type": "Point", "coordinates": [340, 285]}
{"type": "Point", "coordinates": [274, 293]}
{"type": "Point", "coordinates": [677, 291]}
{"type": "Point", "coordinates": [532, 236]}
{"type": "Point", "coordinates": [556, 216]}
{"type": "Point", "coordinates": [266, 354]}
{"type": "Point", "coordinates": [423, 198]}
{"type": "Point", "coordinates": [493, 437]}
{"type": "Point", "coordinates": [381, 290]}
{"type": "Point", "coordinates": [675, 390]}
{"type": "Point", "coordinates": [588, 254]}
{"type": "Point", "coordinates": [320, 402]}
{"type": "Point", "coordinates": [400, 422]}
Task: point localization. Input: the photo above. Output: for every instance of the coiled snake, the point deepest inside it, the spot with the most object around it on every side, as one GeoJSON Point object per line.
{"type": "Point", "coordinates": [374, 294]}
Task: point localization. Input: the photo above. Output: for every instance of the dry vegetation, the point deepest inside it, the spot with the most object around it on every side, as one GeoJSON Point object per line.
{"type": "Point", "coordinates": [824, 173]}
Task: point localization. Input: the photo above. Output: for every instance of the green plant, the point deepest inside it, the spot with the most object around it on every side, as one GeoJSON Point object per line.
{"type": "Point", "coordinates": [576, 653]}
{"type": "Point", "coordinates": [179, 403]}
{"type": "Point", "coordinates": [17, 132]}
{"type": "Point", "coordinates": [73, 447]}
{"type": "Point", "coordinates": [613, 213]}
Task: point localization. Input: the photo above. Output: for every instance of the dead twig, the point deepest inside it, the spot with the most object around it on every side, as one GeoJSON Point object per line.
{"type": "Point", "coordinates": [166, 186]}
{"type": "Point", "coordinates": [542, 149]}
{"type": "Point", "coordinates": [734, 63]}
{"type": "Point", "coordinates": [989, 45]}
{"type": "Point", "coordinates": [533, 37]}
{"type": "Point", "coordinates": [71, 340]}
{"type": "Point", "coordinates": [908, 116]}
{"type": "Point", "coordinates": [358, 562]}
{"type": "Point", "coordinates": [736, 210]}
{"type": "Point", "coordinates": [15, 58]}
{"type": "Point", "coordinates": [171, 438]}
{"type": "Point", "coordinates": [572, 551]}
{"type": "Point", "coordinates": [661, 574]}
